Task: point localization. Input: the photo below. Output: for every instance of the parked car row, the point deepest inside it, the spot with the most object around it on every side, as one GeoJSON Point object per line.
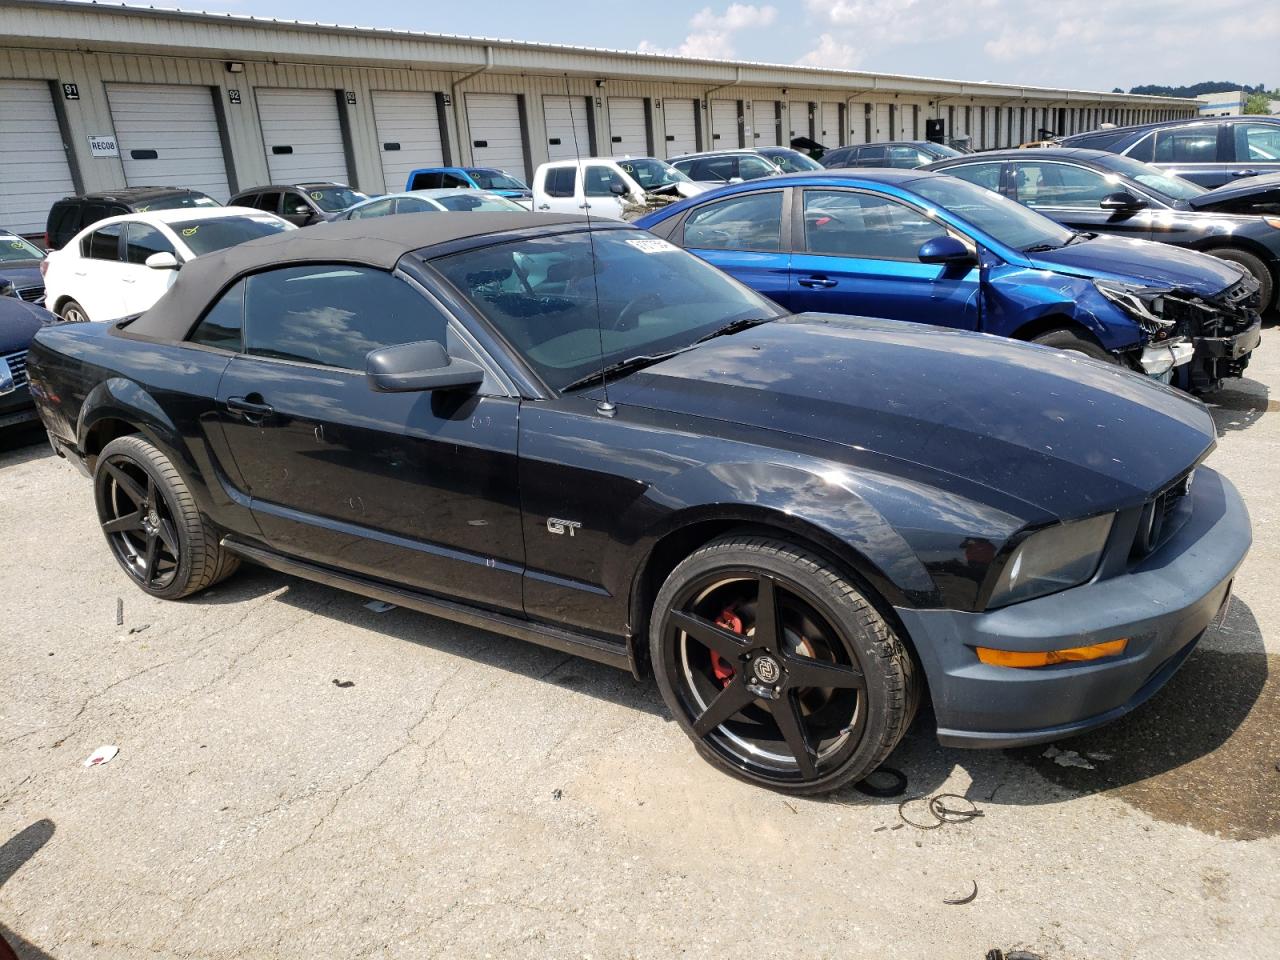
{"type": "Point", "coordinates": [573, 432]}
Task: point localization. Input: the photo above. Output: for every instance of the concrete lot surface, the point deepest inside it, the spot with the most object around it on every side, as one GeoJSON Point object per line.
{"type": "Point", "coordinates": [473, 796]}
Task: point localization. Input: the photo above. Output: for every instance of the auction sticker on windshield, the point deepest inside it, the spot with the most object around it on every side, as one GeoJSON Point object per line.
{"type": "Point", "coordinates": [652, 245]}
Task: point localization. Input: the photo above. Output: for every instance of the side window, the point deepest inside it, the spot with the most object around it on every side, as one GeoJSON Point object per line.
{"type": "Point", "coordinates": [334, 315]}
{"type": "Point", "coordinates": [426, 181]}
{"type": "Point", "coordinates": [103, 244]}
{"type": "Point", "coordinates": [1187, 145]}
{"type": "Point", "coordinates": [64, 222]}
{"type": "Point", "coordinates": [295, 205]}
{"type": "Point", "coordinates": [715, 169]}
{"type": "Point", "coordinates": [1060, 185]}
{"type": "Point", "coordinates": [560, 181]}
{"type": "Point", "coordinates": [839, 158]}
{"type": "Point", "coordinates": [245, 200]}
{"type": "Point", "coordinates": [1256, 142]}
{"type": "Point", "coordinates": [268, 201]}
{"type": "Point", "coordinates": [1144, 149]}
{"type": "Point", "coordinates": [753, 168]}
{"type": "Point", "coordinates": [453, 182]}
{"type": "Point", "coordinates": [844, 224]}
{"type": "Point", "coordinates": [142, 240]}
{"type": "Point", "coordinates": [414, 205]}
{"type": "Point", "coordinates": [598, 181]}
{"type": "Point", "coordinates": [223, 325]}
{"type": "Point", "coordinates": [379, 208]}
{"type": "Point", "coordinates": [906, 158]}
{"type": "Point", "coordinates": [979, 174]}
{"type": "Point", "coordinates": [749, 222]}
{"type": "Point", "coordinates": [871, 157]}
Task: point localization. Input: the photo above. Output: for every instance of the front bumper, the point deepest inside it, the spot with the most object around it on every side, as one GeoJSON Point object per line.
{"type": "Point", "coordinates": [1221, 358]}
{"type": "Point", "coordinates": [16, 406]}
{"type": "Point", "coordinates": [1163, 604]}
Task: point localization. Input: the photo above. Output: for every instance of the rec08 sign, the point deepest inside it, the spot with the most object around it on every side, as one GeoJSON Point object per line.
{"type": "Point", "coordinates": [103, 146]}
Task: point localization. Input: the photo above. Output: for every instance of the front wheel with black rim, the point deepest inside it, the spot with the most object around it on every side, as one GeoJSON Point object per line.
{"type": "Point", "coordinates": [152, 524]}
{"type": "Point", "coordinates": [1064, 339]}
{"type": "Point", "coordinates": [778, 666]}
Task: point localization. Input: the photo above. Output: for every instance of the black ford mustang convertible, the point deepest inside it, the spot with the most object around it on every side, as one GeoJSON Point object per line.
{"type": "Point", "coordinates": [582, 436]}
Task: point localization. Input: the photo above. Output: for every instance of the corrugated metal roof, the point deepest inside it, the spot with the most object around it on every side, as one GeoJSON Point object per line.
{"type": "Point", "coordinates": [666, 61]}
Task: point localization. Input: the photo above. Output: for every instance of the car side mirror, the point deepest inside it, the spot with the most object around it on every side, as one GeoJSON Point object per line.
{"type": "Point", "coordinates": [421, 366]}
{"type": "Point", "coordinates": [618, 189]}
{"type": "Point", "coordinates": [164, 260]}
{"type": "Point", "coordinates": [735, 180]}
{"type": "Point", "coordinates": [946, 250]}
{"type": "Point", "coordinates": [1121, 201]}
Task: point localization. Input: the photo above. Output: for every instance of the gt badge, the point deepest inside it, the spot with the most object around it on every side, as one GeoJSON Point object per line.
{"type": "Point", "coordinates": [562, 526]}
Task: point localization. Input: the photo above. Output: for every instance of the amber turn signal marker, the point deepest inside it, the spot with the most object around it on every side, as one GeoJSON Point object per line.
{"type": "Point", "coordinates": [1273, 222]}
{"type": "Point", "coordinates": [1044, 658]}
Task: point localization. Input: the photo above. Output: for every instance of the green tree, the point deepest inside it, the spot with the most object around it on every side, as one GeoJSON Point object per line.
{"type": "Point", "coordinates": [1257, 103]}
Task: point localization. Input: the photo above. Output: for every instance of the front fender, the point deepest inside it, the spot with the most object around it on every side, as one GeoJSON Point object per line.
{"type": "Point", "coordinates": [1022, 297]}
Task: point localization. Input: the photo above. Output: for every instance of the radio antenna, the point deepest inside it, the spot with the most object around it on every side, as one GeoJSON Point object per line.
{"type": "Point", "coordinates": [605, 407]}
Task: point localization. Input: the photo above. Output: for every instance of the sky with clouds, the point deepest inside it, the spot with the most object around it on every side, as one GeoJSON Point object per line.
{"type": "Point", "coordinates": [1098, 44]}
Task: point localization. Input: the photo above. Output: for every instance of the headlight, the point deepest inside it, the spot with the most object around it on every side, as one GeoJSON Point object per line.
{"type": "Point", "coordinates": [1144, 304]}
{"type": "Point", "coordinates": [1052, 559]}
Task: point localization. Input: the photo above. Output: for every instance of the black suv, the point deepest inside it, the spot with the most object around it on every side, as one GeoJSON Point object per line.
{"type": "Point", "coordinates": [301, 203]}
{"type": "Point", "coordinates": [70, 215]}
{"type": "Point", "coordinates": [1210, 152]}
{"type": "Point", "coordinates": [903, 154]}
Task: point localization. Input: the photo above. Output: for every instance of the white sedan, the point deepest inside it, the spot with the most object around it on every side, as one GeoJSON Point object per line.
{"type": "Point", "coordinates": [122, 265]}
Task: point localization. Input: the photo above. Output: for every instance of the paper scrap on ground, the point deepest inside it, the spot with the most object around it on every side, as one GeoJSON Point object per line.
{"type": "Point", "coordinates": [101, 755]}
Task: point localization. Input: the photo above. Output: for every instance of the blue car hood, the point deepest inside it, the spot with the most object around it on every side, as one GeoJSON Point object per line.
{"type": "Point", "coordinates": [1057, 430]}
{"type": "Point", "coordinates": [26, 273]}
{"type": "Point", "coordinates": [1143, 262]}
{"type": "Point", "coordinates": [19, 322]}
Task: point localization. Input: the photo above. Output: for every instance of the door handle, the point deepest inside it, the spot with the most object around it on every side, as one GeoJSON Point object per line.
{"type": "Point", "coordinates": [584, 206]}
{"type": "Point", "coordinates": [1244, 173]}
{"type": "Point", "coordinates": [127, 280]}
{"type": "Point", "coordinates": [255, 411]}
{"type": "Point", "coordinates": [819, 282]}
{"type": "Point", "coordinates": [544, 206]}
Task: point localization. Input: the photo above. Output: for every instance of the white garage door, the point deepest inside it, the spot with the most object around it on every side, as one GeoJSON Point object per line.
{"type": "Point", "coordinates": [568, 133]}
{"type": "Point", "coordinates": [989, 128]}
{"type": "Point", "coordinates": [829, 134]}
{"type": "Point", "coordinates": [496, 140]}
{"type": "Point", "coordinates": [33, 163]}
{"type": "Point", "coordinates": [303, 136]}
{"type": "Point", "coordinates": [764, 129]}
{"type": "Point", "coordinates": [724, 125]}
{"type": "Point", "coordinates": [408, 135]}
{"type": "Point", "coordinates": [682, 127]}
{"type": "Point", "coordinates": [168, 136]}
{"type": "Point", "coordinates": [880, 124]}
{"type": "Point", "coordinates": [798, 120]}
{"type": "Point", "coordinates": [628, 135]}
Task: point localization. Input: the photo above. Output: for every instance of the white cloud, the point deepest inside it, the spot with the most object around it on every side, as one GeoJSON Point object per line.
{"type": "Point", "coordinates": [711, 35]}
{"type": "Point", "coordinates": [831, 53]}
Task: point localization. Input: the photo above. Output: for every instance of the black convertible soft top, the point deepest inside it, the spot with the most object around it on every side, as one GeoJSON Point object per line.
{"type": "Point", "coordinates": [376, 242]}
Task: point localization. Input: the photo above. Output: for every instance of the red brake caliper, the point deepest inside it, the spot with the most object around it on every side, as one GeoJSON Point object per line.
{"type": "Point", "coordinates": [719, 665]}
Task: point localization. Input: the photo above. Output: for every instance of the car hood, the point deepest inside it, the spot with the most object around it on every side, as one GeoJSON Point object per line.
{"type": "Point", "coordinates": [1142, 261]}
{"type": "Point", "coordinates": [1257, 189]}
{"type": "Point", "coordinates": [1057, 430]}
{"type": "Point", "coordinates": [22, 274]}
{"type": "Point", "coordinates": [19, 322]}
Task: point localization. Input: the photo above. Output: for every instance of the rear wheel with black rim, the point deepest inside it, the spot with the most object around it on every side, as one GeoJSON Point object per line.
{"type": "Point", "coordinates": [778, 667]}
{"type": "Point", "coordinates": [151, 522]}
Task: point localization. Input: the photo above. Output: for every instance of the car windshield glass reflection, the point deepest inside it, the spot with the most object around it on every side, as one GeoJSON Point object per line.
{"type": "Point", "coordinates": [13, 248]}
{"type": "Point", "coordinates": [177, 202]}
{"type": "Point", "coordinates": [478, 202]}
{"type": "Point", "coordinates": [333, 199]}
{"type": "Point", "coordinates": [495, 180]}
{"type": "Point", "coordinates": [541, 294]}
{"type": "Point", "coordinates": [1000, 218]}
{"type": "Point", "coordinates": [1169, 186]}
{"type": "Point", "coordinates": [206, 236]}
{"type": "Point", "coordinates": [651, 174]}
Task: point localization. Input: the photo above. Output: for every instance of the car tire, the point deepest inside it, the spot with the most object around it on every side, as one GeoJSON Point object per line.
{"type": "Point", "coordinates": [1255, 266]}
{"type": "Point", "coordinates": [152, 524]}
{"type": "Point", "coordinates": [1069, 340]}
{"type": "Point", "coordinates": [714, 662]}
{"type": "Point", "coordinates": [72, 312]}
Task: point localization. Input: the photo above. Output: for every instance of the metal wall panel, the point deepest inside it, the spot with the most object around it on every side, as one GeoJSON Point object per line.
{"type": "Point", "coordinates": [168, 135]}
{"type": "Point", "coordinates": [34, 172]}
{"type": "Point", "coordinates": [302, 135]}
{"type": "Point", "coordinates": [408, 126]}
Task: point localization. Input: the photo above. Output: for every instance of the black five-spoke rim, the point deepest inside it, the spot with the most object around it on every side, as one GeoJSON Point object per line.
{"type": "Point", "coordinates": [764, 677]}
{"type": "Point", "coordinates": [138, 523]}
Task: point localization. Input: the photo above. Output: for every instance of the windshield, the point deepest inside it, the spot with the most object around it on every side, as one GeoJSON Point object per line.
{"type": "Point", "coordinates": [1000, 218]}
{"type": "Point", "coordinates": [1153, 178]}
{"type": "Point", "coordinates": [177, 202]}
{"type": "Point", "coordinates": [333, 199]}
{"type": "Point", "coordinates": [940, 150]}
{"type": "Point", "coordinates": [652, 174]}
{"type": "Point", "coordinates": [496, 180]}
{"type": "Point", "coordinates": [471, 201]}
{"type": "Point", "coordinates": [13, 248]}
{"type": "Point", "coordinates": [206, 236]}
{"type": "Point", "coordinates": [653, 298]}
{"type": "Point", "coordinates": [792, 161]}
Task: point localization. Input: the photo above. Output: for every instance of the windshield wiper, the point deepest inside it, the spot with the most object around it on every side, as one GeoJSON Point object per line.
{"type": "Point", "coordinates": [734, 326]}
{"type": "Point", "coordinates": [1043, 247]}
{"type": "Point", "coordinates": [621, 368]}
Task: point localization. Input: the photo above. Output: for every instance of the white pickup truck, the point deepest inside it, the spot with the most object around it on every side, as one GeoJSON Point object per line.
{"type": "Point", "coordinates": [615, 188]}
